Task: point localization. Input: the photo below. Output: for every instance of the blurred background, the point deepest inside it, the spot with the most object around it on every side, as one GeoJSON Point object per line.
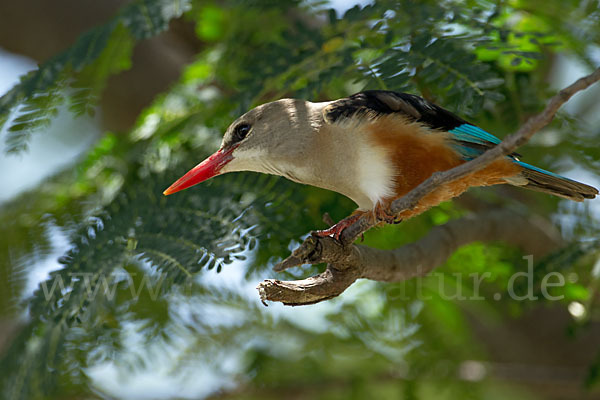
{"type": "Point", "coordinates": [110, 290]}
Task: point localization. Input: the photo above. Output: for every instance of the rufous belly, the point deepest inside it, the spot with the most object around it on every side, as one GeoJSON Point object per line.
{"type": "Point", "coordinates": [416, 152]}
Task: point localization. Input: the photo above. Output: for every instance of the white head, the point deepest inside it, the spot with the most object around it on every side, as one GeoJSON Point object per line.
{"type": "Point", "coordinates": [270, 138]}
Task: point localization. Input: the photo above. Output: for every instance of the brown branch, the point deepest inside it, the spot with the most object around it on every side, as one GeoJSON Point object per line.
{"type": "Point", "coordinates": [533, 235]}
{"type": "Point", "coordinates": [347, 262]}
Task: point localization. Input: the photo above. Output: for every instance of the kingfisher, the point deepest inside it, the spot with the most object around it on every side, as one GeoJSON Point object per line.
{"type": "Point", "coordinates": [373, 147]}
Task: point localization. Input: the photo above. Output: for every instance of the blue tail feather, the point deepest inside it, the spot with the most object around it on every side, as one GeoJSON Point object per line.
{"type": "Point", "coordinates": [471, 141]}
{"type": "Point", "coordinates": [542, 171]}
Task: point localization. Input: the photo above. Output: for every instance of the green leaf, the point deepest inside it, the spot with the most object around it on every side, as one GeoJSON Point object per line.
{"type": "Point", "coordinates": [90, 81]}
{"type": "Point", "coordinates": [95, 56]}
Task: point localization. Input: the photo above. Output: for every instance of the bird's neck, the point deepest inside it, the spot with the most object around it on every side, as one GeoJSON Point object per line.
{"type": "Point", "coordinates": [343, 159]}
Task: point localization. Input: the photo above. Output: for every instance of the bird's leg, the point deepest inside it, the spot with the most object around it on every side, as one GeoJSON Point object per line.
{"type": "Point", "coordinates": [337, 229]}
{"type": "Point", "coordinates": [381, 212]}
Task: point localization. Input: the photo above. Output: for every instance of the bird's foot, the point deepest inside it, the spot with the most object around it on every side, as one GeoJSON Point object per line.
{"type": "Point", "coordinates": [337, 229]}
{"type": "Point", "coordinates": [382, 213]}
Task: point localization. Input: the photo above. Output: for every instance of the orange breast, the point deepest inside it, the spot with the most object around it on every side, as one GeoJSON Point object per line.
{"type": "Point", "coordinates": [417, 152]}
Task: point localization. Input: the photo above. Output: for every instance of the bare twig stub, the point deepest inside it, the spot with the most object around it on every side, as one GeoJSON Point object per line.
{"type": "Point", "coordinates": [347, 262]}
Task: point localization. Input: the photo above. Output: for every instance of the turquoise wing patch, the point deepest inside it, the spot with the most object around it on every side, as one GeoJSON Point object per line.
{"type": "Point", "coordinates": [470, 133]}
{"type": "Point", "coordinates": [471, 141]}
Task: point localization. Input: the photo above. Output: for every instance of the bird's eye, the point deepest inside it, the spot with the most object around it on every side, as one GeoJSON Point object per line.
{"type": "Point", "coordinates": [240, 132]}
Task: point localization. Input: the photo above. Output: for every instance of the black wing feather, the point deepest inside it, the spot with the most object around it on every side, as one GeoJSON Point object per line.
{"type": "Point", "coordinates": [375, 103]}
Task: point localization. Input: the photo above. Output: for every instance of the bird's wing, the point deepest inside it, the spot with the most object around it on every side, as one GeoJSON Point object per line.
{"type": "Point", "coordinates": [469, 140]}
{"type": "Point", "coordinates": [466, 139]}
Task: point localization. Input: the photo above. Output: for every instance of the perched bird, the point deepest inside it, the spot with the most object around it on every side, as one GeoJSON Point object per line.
{"type": "Point", "coordinates": [373, 147]}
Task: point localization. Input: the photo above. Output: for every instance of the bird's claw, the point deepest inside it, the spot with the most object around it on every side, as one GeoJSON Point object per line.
{"type": "Point", "coordinates": [382, 214]}
{"type": "Point", "coordinates": [337, 229]}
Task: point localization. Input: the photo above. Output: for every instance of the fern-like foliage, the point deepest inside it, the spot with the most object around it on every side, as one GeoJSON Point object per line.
{"type": "Point", "coordinates": [80, 73]}
{"type": "Point", "coordinates": [176, 237]}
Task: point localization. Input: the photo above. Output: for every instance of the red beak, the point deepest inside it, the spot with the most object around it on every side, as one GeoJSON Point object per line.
{"type": "Point", "coordinates": [203, 171]}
